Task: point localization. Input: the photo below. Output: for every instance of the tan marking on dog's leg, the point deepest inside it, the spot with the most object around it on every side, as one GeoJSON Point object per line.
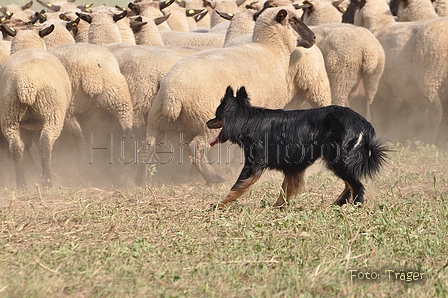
{"type": "Point", "coordinates": [345, 196]}
{"type": "Point", "coordinates": [291, 186]}
{"type": "Point", "coordinates": [238, 190]}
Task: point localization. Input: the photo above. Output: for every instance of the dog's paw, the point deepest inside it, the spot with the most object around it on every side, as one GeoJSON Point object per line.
{"type": "Point", "coordinates": [216, 206]}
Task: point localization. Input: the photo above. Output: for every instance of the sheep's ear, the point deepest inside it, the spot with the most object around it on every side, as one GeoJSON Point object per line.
{"type": "Point", "coordinates": [41, 16]}
{"type": "Point", "coordinates": [119, 16]}
{"type": "Point", "coordinates": [27, 5]}
{"type": "Point", "coordinates": [45, 31]}
{"type": "Point", "coordinates": [241, 93]}
{"type": "Point", "coordinates": [192, 12]}
{"type": "Point", "coordinates": [64, 17]}
{"type": "Point", "coordinates": [161, 19]}
{"type": "Point", "coordinates": [239, 2]}
{"type": "Point", "coordinates": [224, 15]}
{"type": "Point", "coordinates": [53, 7]}
{"type": "Point", "coordinates": [181, 3]}
{"type": "Point", "coordinates": [209, 3]}
{"type": "Point", "coordinates": [134, 7]}
{"type": "Point", "coordinates": [252, 5]}
{"type": "Point", "coordinates": [86, 7]}
{"type": "Point", "coordinates": [200, 16]}
{"type": "Point", "coordinates": [337, 5]}
{"type": "Point", "coordinates": [304, 5]}
{"type": "Point", "coordinates": [71, 25]}
{"type": "Point", "coordinates": [266, 5]}
{"type": "Point", "coordinates": [165, 4]}
{"type": "Point", "coordinates": [136, 25]}
{"type": "Point", "coordinates": [33, 19]}
{"type": "Point", "coordinates": [84, 17]}
{"type": "Point", "coordinates": [281, 15]}
{"type": "Point", "coordinates": [8, 31]}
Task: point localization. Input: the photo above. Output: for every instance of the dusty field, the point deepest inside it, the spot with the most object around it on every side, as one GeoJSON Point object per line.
{"type": "Point", "coordinates": [162, 242]}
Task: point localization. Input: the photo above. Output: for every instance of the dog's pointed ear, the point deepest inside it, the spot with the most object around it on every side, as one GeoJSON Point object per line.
{"type": "Point", "coordinates": [241, 93]}
{"type": "Point", "coordinates": [229, 92]}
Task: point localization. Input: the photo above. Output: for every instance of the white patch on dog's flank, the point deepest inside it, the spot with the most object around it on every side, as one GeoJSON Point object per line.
{"type": "Point", "coordinates": [359, 140]}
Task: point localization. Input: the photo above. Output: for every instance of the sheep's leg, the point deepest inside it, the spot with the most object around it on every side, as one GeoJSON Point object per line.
{"type": "Point", "coordinates": [47, 138]}
{"type": "Point", "coordinates": [435, 114]}
{"type": "Point", "coordinates": [198, 157]}
{"type": "Point", "coordinates": [291, 186]}
{"type": "Point", "coordinates": [75, 130]}
{"type": "Point", "coordinates": [147, 150]}
{"type": "Point", "coordinates": [16, 147]}
{"type": "Point", "coordinates": [442, 137]}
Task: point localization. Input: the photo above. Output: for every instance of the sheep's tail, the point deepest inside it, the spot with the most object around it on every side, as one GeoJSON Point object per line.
{"type": "Point", "coordinates": [26, 92]}
{"type": "Point", "coordinates": [367, 156]}
{"type": "Point", "coordinates": [171, 107]}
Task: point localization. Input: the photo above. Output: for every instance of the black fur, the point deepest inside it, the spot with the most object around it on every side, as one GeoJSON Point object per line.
{"type": "Point", "coordinates": [290, 141]}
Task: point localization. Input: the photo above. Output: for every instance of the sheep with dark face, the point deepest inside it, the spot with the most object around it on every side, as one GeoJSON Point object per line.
{"type": "Point", "coordinates": [262, 65]}
{"type": "Point", "coordinates": [413, 10]}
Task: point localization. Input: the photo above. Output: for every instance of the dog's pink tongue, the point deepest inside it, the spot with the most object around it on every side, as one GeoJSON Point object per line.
{"type": "Point", "coordinates": [216, 140]}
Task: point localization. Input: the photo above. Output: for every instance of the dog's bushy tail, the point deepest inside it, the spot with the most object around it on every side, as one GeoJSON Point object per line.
{"type": "Point", "coordinates": [368, 157]}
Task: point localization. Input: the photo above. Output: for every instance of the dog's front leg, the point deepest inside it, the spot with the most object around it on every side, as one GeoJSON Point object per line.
{"type": "Point", "coordinates": [291, 186]}
{"type": "Point", "coordinates": [248, 176]}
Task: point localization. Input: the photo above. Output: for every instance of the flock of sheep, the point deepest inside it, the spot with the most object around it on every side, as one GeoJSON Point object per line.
{"type": "Point", "coordinates": [158, 68]}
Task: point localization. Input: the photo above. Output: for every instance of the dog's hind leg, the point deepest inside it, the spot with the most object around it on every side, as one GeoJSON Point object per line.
{"type": "Point", "coordinates": [353, 187]}
{"type": "Point", "coordinates": [198, 156]}
{"type": "Point", "coordinates": [248, 176]}
{"type": "Point", "coordinates": [345, 196]}
{"type": "Point", "coordinates": [291, 186]}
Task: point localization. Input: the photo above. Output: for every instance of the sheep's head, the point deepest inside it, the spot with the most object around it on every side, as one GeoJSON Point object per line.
{"type": "Point", "coordinates": [349, 15]}
{"type": "Point", "coordinates": [306, 36]}
{"type": "Point", "coordinates": [289, 19]}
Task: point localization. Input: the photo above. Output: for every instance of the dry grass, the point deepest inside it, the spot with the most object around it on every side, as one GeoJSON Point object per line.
{"type": "Point", "coordinates": [161, 242]}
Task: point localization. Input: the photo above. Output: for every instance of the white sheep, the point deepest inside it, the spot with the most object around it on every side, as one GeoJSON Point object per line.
{"type": "Point", "coordinates": [96, 81]}
{"type": "Point", "coordinates": [20, 12]}
{"type": "Point", "coordinates": [146, 31]}
{"type": "Point", "coordinates": [105, 21]}
{"type": "Point", "coordinates": [204, 22]}
{"type": "Point", "coordinates": [353, 56]}
{"type": "Point", "coordinates": [151, 9]}
{"type": "Point", "coordinates": [317, 12]}
{"type": "Point", "coordinates": [307, 77]}
{"type": "Point", "coordinates": [227, 6]}
{"type": "Point", "coordinates": [416, 68]}
{"type": "Point", "coordinates": [184, 105]}
{"type": "Point", "coordinates": [413, 10]}
{"type": "Point", "coordinates": [34, 95]}
{"type": "Point", "coordinates": [5, 49]}
{"type": "Point", "coordinates": [179, 17]}
{"type": "Point", "coordinates": [441, 7]}
{"type": "Point", "coordinates": [208, 39]}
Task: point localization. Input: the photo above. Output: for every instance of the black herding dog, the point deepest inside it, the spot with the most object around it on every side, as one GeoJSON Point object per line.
{"type": "Point", "coordinates": [290, 141]}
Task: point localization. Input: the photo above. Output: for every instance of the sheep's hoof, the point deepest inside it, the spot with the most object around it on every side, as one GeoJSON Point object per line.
{"type": "Point", "coordinates": [47, 183]}
{"type": "Point", "coordinates": [280, 206]}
